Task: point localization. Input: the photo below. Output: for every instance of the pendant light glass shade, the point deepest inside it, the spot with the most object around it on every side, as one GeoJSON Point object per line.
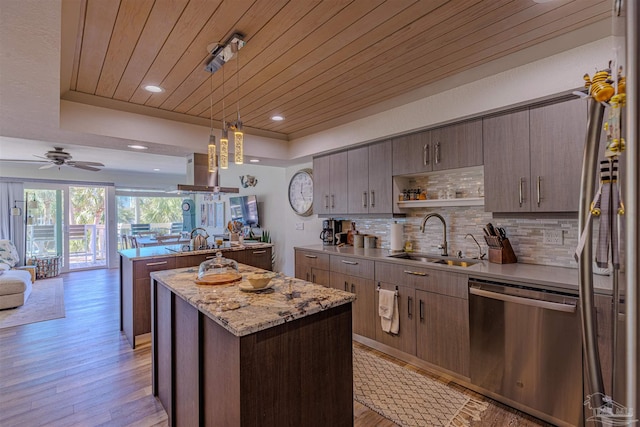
{"type": "Point", "coordinates": [211, 152]}
{"type": "Point", "coordinates": [238, 138]}
{"type": "Point", "coordinates": [224, 148]}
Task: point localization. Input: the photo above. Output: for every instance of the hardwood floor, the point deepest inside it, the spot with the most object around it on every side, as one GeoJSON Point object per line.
{"type": "Point", "coordinates": [81, 371]}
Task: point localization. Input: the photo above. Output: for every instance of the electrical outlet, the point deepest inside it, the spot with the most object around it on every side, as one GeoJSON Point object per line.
{"type": "Point", "coordinates": [553, 237]}
{"type": "Point", "coordinates": [299, 225]}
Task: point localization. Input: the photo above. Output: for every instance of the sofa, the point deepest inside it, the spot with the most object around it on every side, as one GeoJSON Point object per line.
{"type": "Point", "coordinates": [15, 285]}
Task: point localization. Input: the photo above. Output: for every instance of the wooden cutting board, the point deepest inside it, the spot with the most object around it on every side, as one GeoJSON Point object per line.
{"type": "Point", "coordinates": [219, 279]}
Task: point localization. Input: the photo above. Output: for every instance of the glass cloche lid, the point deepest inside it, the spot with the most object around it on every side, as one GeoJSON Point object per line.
{"type": "Point", "coordinates": [217, 266]}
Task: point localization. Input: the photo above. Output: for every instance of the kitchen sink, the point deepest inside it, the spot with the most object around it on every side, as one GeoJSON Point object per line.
{"type": "Point", "coordinates": [456, 262]}
{"type": "Point", "coordinates": [434, 259]}
{"type": "Point", "coordinates": [416, 257]}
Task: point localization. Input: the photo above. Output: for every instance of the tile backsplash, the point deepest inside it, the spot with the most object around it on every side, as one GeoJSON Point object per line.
{"type": "Point", "coordinates": [525, 234]}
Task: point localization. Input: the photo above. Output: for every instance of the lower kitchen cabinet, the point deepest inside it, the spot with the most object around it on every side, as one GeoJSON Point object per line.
{"type": "Point", "coordinates": [312, 267]}
{"type": "Point", "coordinates": [405, 339]}
{"type": "Point", "coordinates": [442, 331]}
{"type": "Point", "coordinates": [363, 311]}
{"type": "Point", "coordinates": [259, 257]}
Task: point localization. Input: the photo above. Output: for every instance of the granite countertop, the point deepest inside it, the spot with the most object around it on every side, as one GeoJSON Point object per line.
{"type": "Point", "coordinates": [538, 275]}
{"type": "Point", "coordinates": [150, 252]}
{"type": "Point", "coordinates": [243, 313]}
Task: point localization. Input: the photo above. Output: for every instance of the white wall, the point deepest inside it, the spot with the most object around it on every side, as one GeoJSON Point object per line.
{"type": "Point", "coordinates": [311, 226]}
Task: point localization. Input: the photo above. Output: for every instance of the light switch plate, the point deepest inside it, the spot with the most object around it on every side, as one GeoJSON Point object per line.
{"type": "Point", "coordinates": [553, 237]}
{"type": "Point", "coordinates": [299, 225]}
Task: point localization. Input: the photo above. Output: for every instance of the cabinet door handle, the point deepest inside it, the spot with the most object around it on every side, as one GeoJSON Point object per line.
{"type": "Point", "coordinates": [353, 289]}
{"type": "Point", "coordinates": [346, 286]}
{"type": "Point", "coordinates": [259, 252]}
{"type": "Point", "coordinates": [415, 273]}
{"type": "Point", "coordinates": [326, 201]}
{"type": "Point", "coordinates": [421, 310]}
{"type": "Point", "coordinates": [520, 191]}
{"type": "Point", "coordinates": [210, 257]}
{"type": "Point", "coordinates": [372, 202]}
{"type": "Point", "coordinates": [349, 262]}
{"type": "Point", "coordinates": [311, 256]}
{"type": "Point", "coordinates": [156, 263]}
{"type": "Point", "coordinates": [409, 307]}
{"type": "Point", "coordinates": [425, 154]}
{"type": "Point", "coordinates": [364, 199]}
{"type": "Point", "coordinates": [333, 201]}
{"type": "Point", "coordinates": [538, 188]}
{"type": "Point", "coordinates": [437, 160]}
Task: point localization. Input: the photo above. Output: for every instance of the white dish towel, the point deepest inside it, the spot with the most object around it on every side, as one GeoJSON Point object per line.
{"type": "Point", "coordinates": [388, 311]}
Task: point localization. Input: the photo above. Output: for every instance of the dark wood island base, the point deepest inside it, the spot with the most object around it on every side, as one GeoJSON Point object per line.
{"type": "Point", "coordinates": [293, 374]}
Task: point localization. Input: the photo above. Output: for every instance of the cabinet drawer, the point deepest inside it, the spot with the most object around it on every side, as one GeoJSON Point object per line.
{"type": "Point", "coordinates": [352, 266]}
{"type": "Point", "coordinates": [313, 259]}
{"type": "Point", "coordinates": [143, 268]}
{"type": "Point", "coordinates": [442, 282]}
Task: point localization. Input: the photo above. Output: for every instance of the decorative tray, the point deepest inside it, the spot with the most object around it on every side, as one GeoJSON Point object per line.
{"type": "Point", "coordinates": [219, 279]}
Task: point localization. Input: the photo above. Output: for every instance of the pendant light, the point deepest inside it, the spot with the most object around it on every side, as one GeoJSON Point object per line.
{"type": "Point", "coordinates": [211, 149]}
{"type": "Point", "coordinates": [224, 140]}
{"type": "Point", "coordinates": [238, 135]}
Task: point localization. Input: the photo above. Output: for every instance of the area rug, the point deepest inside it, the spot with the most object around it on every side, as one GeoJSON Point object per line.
{"type": "Point", "coordinates": [407, 397]}
{"type": "Point", "coordinates": [46, 302]}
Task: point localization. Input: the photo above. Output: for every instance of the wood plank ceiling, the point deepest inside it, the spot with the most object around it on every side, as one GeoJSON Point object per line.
{"type": "Point", "coordinates": [312, 61]}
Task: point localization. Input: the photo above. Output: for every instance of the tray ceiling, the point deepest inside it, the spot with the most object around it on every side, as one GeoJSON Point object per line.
{"type": "Point", "coordinates": [314, 62]}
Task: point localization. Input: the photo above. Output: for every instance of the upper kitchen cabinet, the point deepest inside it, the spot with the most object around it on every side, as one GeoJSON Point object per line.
{"type": "Point", "coordinates": [369, 178]}
{"type": "Point", "coordinates": [557, 135]}
{"type": "Point", "coordinates": [330, 184]}
{"type": "Point", "coordinates": [449, 147]}
{"type": "Point", "coordinates": [506, 162]}
{"type": "Point", "coordinates": [526, 154]}
{"type": "Point", "coordinates": [412, 153]}
{"type": "Point", "coordinates": [457, 146]}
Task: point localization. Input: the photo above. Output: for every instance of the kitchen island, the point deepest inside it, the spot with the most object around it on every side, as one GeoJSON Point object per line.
{"type": "Point", "coordinates": [280, 356]}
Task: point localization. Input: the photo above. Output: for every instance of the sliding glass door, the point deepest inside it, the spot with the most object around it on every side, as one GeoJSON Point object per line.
{"type": "Point", "coordinates": [67, 221]}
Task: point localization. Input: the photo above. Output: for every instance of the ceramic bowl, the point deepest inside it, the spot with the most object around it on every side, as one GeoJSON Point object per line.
{"type": "Point", "coordinates": [260, 280]}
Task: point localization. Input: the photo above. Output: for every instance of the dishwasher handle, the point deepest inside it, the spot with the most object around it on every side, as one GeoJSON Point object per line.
{"type": "Point", "coordinates": [567, 308]}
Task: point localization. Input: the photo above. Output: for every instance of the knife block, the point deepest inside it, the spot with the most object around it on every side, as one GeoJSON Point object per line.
{"type": "Point", "coordinates": [502, 254]}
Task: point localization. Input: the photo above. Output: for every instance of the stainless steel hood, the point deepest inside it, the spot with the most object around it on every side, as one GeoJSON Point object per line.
{"type": "Point", "coordinates": [199, 179]}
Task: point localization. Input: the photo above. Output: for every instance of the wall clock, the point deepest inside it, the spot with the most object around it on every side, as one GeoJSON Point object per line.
{"type": "Point", "coordinates": [301, 192]}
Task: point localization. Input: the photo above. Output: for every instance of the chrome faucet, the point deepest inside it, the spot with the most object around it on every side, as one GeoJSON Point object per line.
{"type": "Point", "coordinates": [443, 246]}
{"type": "Point", "coordinates": [480, 254]}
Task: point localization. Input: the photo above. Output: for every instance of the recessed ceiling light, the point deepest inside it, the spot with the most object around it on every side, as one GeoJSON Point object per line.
{"type": "Point", "coordinates": [277, 118]}
{"type": "Point", "coordinates": [254, 160]}
{"type": "Point", "coordinates": [138, 147]}
{"type": "Point", "coordinates": [156, 169]}
{"type": "Point", "coordinates": [153, 88]}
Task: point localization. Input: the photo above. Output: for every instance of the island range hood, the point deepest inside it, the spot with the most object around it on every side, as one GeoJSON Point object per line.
{"type": "Point", "coordinates": [199, 179]}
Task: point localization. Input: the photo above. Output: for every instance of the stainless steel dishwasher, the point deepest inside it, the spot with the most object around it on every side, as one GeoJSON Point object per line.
{"type": "Point", "coordinates": [526, 347]}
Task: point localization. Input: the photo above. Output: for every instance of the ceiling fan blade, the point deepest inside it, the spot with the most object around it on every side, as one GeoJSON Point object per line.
{"type": "Point", "coordinates": [24, 161]}
{"type": "Point", "coordinates": [76, 163]}
{"type": "Point", "coordinates": [50, 165]}
{"type": "Point", "coordinates": [81, 165]}
{"type": "Point", "coordinates": [40, 157]}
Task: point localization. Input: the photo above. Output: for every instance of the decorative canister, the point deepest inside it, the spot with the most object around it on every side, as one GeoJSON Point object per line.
{"type": "Point", "coordinates": [370, 241]}
{"type": "Point", "coordinates": [358, 240]}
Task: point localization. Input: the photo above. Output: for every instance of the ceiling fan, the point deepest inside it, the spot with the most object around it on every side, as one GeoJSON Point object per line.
{"type": "Point", "coordinates": [59, 157]}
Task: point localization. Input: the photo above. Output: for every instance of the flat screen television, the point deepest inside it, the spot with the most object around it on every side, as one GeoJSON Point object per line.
{"type": "Point", "coordinates": [245, 210]}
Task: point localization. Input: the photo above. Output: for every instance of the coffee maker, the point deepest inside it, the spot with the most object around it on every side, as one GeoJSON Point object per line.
{"type": "Point", "coordinates": [330, 227]}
